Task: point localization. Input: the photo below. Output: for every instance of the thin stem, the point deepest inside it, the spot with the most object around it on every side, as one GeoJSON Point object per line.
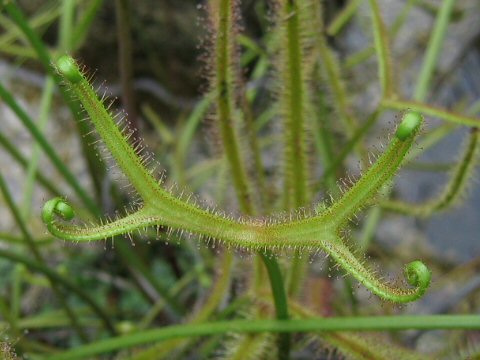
{"type": "Point", "coordinates": [280, 299]}
{"type": "Point", "coordinates": [66, 25]}
{"type": "Point", "coordinates": [364, 54]}
{"type": "Point", "coordinates": [224, 82]}
{"type": "Point", "coordinates": [226, 97]}
{"type": "Point", "coordinates": [398, 104]}
{"type": "Point", "coordinates": [371, 323]}
{"type": "Point", "coordinates": [295, 177]}
{"type": "Point", "coordinates": [433, 50]}
{"type": "Point", "coordinates": [343, 17]}
{"type": "Point", "coordinates": [382, 49]}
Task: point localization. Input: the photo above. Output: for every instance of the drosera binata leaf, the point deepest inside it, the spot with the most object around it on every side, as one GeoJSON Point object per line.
{"type": "Point", "coordinates": [161, 208]}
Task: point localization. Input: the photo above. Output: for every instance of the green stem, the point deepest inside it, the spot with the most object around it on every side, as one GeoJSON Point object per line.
{"type": "Point", "coordinates": [280, 299]}
{"type": "Point", "coordinates": [225, 98]}
{"type": "Point", "coordinates": [66, 25]}
{"type": "Point", "coordinates": [224, 82]}
{"type": "Point", "coordinates": [364, 54]}
{"type": "Point", "coordinates": [371, 323]}
{"type": "Point", "coordinates": [295, 177]}
{"type": "Point", "coordinates": [398, 104]}
{"type": "Point", "coordinates": [382, 49]}
{"type": "Point", "coordinates": [433, 50]}
{"type": "Point", "coordinates": [343, 17]}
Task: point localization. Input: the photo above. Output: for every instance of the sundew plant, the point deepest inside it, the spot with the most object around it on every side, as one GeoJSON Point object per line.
{"type": "Point", "coordinates": [243, 282]}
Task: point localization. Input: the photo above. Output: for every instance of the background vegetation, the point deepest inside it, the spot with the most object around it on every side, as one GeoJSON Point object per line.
{"type": "Point", "coordinates": [175, 297]}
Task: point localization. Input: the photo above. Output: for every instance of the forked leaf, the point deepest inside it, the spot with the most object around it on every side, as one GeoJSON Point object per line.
{"type": "Point", "coordinates": [162, 209]}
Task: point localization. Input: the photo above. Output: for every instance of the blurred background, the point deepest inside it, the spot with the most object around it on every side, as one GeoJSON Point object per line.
{"type": "Point", "coordinates": [168, 78]}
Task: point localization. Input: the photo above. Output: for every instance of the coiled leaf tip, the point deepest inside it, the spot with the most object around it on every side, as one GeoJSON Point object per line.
{"type": "Point", "coordinates": [418, 275]}
{"type": "Point", "coordinates": [59, 207]}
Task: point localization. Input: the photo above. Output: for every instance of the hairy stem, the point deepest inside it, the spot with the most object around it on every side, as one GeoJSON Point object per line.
{"type": "Point", "coordinates": [293, 97]}
{"type": "Point", "coordinates": [163, 209]}
{"type": "Point", "coordinates": [225, 79]}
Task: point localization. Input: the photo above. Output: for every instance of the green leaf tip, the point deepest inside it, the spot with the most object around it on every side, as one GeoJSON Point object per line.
{"type": "Point", "coordinates": [409, 125]}
{"type": "Point", "coordinates": [57, 206]}
{"type": "Point", "coordinates": [69, 69]}
{"type": "Point", "coordinates": [418, 275]}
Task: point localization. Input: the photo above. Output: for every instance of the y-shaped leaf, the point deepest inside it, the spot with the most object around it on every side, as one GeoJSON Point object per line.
{"type": "Point", "coordinates": [161, 208]}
